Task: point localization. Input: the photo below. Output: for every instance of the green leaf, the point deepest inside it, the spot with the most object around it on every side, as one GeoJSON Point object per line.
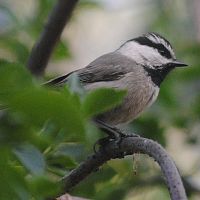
{"type": "Point", "coordinates": [74, 150]}
{"type": "Point", "coordinates": [13, 130]}
{"type": "Point", "coordinates": [56, 171]}
{"type": "Point", "coordinates": [43, 187]}
{"type": "Point", "coordinates": [12, 184]}
{"type": "Point", "coordinates": [40, 105]}
{"type": "Point", "coordinates": [101, 100]}
{"type": "Point", "coordinates": [31, 158]}
{"type": "Point", "coordinates": [90, 185]}
{"type": "Point", "coordinates": [37, 104]}
{"type": "Point", "coordinates": [61, 161]}
{"type": "Point", "coordinates": [13, 78]}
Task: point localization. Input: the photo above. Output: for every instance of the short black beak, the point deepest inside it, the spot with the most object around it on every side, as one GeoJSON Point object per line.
{"type": "Point", "coordinates": [177, 63]}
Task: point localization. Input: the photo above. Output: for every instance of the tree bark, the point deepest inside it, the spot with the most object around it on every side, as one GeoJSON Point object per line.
{"type": "Point", "coordinates": [44, 47]}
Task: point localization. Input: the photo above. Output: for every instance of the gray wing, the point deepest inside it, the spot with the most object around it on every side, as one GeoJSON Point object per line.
{"type": "Point", "coordinates": [59, 81]}
{"type": "Point", "coordinates": [109, 67]}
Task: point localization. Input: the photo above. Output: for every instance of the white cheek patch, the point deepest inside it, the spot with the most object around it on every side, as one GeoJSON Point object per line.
{"type": "Point", "coordinates": [142, 54]}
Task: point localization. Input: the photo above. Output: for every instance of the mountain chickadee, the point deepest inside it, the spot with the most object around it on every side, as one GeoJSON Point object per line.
{"type": "Point", "coordinates": [138, 66]}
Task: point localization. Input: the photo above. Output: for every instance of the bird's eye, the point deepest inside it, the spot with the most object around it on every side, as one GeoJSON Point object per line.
{"type": "Point", "coordinates": [165, 53]}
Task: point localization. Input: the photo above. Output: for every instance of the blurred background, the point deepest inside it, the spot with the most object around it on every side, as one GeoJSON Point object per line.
{"type": "Point", "coordinates": [101, 26]}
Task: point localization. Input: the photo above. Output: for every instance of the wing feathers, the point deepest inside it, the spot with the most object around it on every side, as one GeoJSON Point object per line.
{"type": "Point", "coordinates": [109, 67]}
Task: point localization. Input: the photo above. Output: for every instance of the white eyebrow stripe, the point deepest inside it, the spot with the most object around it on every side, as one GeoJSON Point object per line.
{"type": "Point", "coordinates": [158, 40]}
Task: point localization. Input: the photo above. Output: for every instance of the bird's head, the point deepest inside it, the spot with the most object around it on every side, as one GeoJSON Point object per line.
{"type": "Point", "coordinates": [151, 50]}
{"type": "Point", "coordinates": [154, 53]}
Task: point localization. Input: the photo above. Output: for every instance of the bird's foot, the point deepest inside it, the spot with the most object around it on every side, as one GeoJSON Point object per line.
{"type": "Point", "coordinates": [101, 143]}
{"type": "Point", "coordinates": [124, 134]}
{"type": "Point", "coordinates": [114, 134]}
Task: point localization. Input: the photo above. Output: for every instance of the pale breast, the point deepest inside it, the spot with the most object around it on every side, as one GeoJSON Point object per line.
{"type": "Point", "coordinates": [141, 94]}
{"type": "Point", "coordinates": [138, 99]}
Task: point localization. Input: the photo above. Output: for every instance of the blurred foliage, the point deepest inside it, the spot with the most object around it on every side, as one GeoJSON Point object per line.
{"type": "Point", "coordinates": [36, 121]}
{"type": "Point", "coordinates": [44, 133]}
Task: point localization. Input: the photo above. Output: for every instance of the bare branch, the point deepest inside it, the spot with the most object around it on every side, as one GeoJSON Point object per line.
{"type": "Point", "coordinates": [129, 146]}
{"type": "Point", "coordinates": [42, 50]}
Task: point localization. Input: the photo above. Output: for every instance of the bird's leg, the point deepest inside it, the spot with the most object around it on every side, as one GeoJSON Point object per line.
{"type": "Point", "coordinates": [114, 133]}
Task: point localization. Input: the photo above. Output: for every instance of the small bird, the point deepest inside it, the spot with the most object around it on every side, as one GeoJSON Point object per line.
{"type": "Point", "coordinates": [139, 66]}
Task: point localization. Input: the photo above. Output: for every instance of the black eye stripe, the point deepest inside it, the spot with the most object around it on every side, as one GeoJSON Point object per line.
{"type": "Point", "coordinates": [160, 47]}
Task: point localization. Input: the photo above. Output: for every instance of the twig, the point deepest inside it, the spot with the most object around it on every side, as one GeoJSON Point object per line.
{"type": "Point", "coordinates": [129, 146]}
{"type": "Point", "coordinates": [42, 50]}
